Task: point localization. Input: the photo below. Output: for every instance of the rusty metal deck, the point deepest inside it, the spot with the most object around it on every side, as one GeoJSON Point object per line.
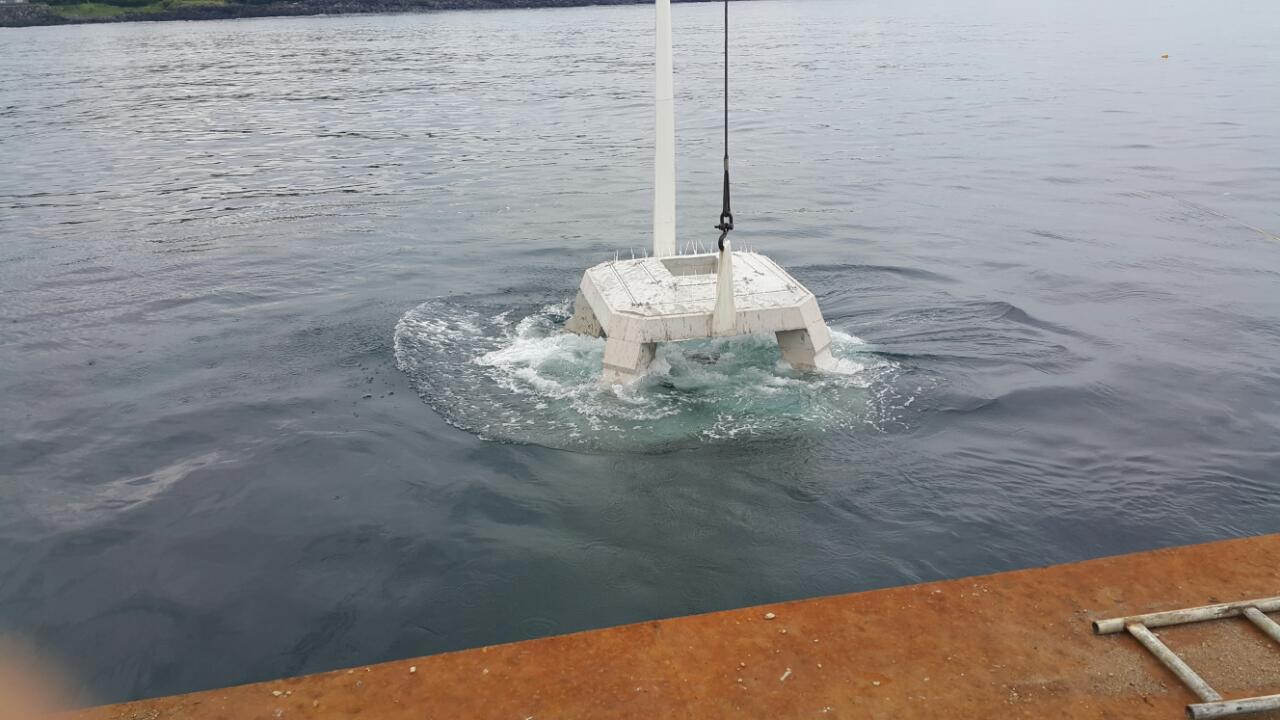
{"type": "Point", "coordinates": [1012, 645]}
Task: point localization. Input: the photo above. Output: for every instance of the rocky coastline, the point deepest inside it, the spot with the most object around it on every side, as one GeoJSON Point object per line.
{"type": "Point", "coordinates": [35, 14]}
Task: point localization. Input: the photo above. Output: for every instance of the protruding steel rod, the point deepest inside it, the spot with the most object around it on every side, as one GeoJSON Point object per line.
{"type": "Point", "coordinates": [1174, 663]}
{"type": "Point", "coordinates": [1264, 623]}
{"type": "Point", "coordinates": [1228, 708]}
{"type": "Point", "coordinates": [1187, 615]}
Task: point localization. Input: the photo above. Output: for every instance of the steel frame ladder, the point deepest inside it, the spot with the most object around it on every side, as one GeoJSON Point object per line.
{"type": "Point", "coordinates": [1212, 705]}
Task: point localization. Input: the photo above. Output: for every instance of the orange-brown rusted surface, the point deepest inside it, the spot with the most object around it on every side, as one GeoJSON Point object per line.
{"type": "Point", "coordinates": [1013, 645]}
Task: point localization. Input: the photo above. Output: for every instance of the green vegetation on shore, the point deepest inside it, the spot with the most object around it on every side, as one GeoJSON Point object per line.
{"type": "Point", "coordinates": [90, 11]}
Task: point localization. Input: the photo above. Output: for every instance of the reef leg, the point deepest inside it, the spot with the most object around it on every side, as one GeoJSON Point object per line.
{"type": "Point", "coordinates": [809, 349]}
{"type": "Point", "coordinates": [584, 320]}
{"type": "Point", "coordinates": [624, 361]}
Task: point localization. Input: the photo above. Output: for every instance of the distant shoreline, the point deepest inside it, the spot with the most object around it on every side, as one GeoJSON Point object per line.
{"type": "Point", "coordinates": [67, 13]}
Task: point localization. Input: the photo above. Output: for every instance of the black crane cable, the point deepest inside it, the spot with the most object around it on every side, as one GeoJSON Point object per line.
{"type": "Point", "coordinates": [726, 215]}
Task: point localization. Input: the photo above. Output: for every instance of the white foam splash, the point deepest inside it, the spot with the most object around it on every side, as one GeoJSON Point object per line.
{"type": "Point", "coordinates": [522, 379]}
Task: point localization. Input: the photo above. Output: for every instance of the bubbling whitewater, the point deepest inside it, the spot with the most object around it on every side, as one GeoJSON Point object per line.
{"type": "Point", "coordinates": [515, 376]}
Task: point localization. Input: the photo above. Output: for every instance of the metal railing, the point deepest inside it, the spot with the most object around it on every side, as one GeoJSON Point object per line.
{"type": "Point", "coordinates": [1212, 705]}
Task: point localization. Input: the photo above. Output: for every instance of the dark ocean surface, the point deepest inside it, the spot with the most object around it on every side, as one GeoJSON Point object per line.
{"type": "Point", "coordinates": [280, 387]}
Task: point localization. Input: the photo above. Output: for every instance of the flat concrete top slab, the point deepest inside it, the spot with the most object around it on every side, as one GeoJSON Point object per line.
{"type": "Point", "coordinates": [686, 284]}
{"type": "Point", "coordinates": [1013, 645]}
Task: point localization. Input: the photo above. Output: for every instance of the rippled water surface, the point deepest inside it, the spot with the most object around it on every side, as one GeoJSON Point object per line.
{"type": "Point", "coordinates": [280, 383]}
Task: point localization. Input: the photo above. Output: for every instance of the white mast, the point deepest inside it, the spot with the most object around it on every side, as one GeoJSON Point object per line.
{"type": "Point", "coordinates": [664, 166]}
